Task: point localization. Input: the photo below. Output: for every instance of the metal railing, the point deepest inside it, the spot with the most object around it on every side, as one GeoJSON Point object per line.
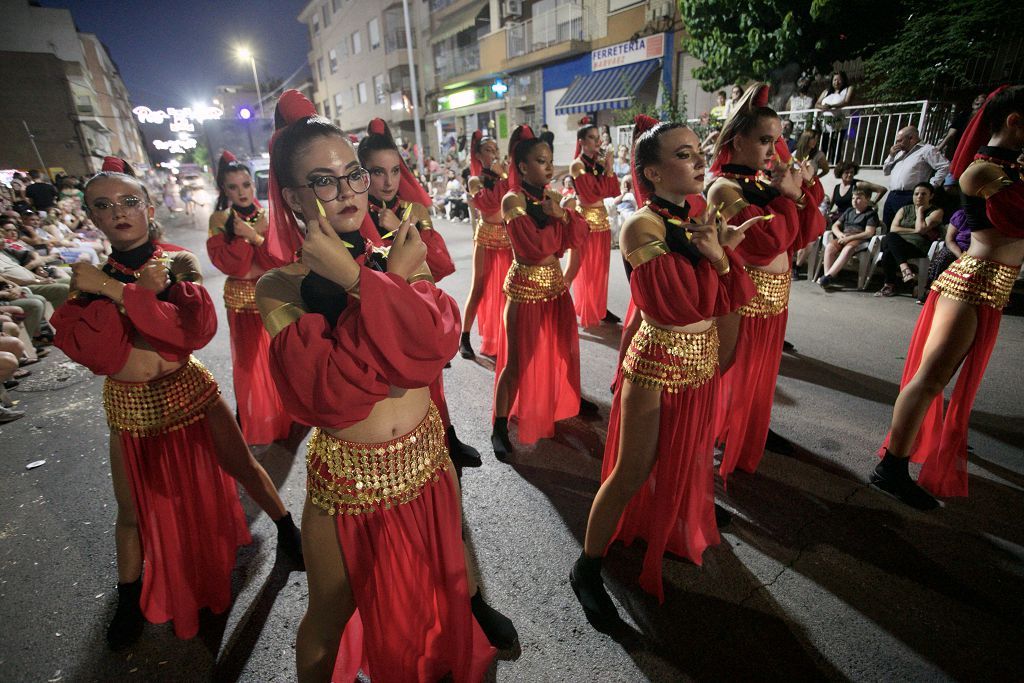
{"type": "Point", "coordinates": [864, 133]}
{"type": "Point", "coordinates": [458, 61]}
{"type": "Point", "coordinates": [568, 21]}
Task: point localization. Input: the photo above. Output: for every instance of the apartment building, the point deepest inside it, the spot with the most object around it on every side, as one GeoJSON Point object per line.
{"type": "Point", "coordinates": [70, 99]}
{"type": "Point", "coordinates": [360, 62]}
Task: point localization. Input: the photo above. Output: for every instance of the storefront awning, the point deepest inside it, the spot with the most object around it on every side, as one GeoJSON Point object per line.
{"type": "Point", "coordinates": [606, 89]}
{"type": "Point", "coordinates": [456, 22]}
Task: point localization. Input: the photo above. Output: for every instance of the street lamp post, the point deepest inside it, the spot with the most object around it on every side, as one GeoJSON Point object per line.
{"type": "Point", "coordinates": [245, 53]}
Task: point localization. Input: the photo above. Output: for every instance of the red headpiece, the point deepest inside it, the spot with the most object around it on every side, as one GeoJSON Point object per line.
{"type": "Point", "coordinates": [226, 157]}
{"type": "Point", "coordinates": [476, 167]}
{"type": "Point", "coordinates": [284, 237]}
{"type": "Point", "coordinates": [975, 135]}
{"type": "Point", "coordinates": [409, 189]}
{"type": "Point", "coordinates": [521, 133]}
{"type": "Point", "coordinates": [641, 124]}
{"type": "Point", "coordinates": [585, 122]}
{"type": "Point", "coordinates": [117, 165]}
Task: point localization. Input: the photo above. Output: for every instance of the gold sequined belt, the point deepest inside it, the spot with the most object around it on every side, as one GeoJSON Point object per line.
{"type": "Point", "coordinates": [533, 284]}
{"type": "Point", "coordinates": [977, 282]}
{"type": "Point", "coordinates": [596, 217]}
{"type": "Point", "coordinates": [240, 295]}
{"type": "Point", "coordinates": [772, 295]}
{"type": "Point", "coordinates": [492, 235]}
{"type": "Point", "coordinates": [161, 405]}
{"type": "Point", "coordinates": [348, 478]}
{"type": "Point", "coordinates": [670, 360]}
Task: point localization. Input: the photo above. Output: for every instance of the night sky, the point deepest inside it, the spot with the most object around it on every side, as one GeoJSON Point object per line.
{"type": "Point", "coordinates": [172, 53]}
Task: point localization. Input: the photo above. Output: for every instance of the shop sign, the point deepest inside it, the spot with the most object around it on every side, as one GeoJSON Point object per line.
{"type": "Point", "coordinates": [630, 52]}
{"type": "Point", "coordinates": [462, 98]}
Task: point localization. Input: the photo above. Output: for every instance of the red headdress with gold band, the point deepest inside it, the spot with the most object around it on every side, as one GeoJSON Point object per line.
{"type": "Point", "coordinates": [641, 124]}
{"type": "Point", "coordinates": [409, 189]}
{"type": "Point", "coordinates": [585, 122]}
{"type": "Point", "coordinates": [515, 181]}
{"type": "Point", "coordinates": [226, 157]}
{"type": "Point", "coordinates": [476, 167]}
{"type": "Point", "coordinates": [284, 238]}
{"type": "Point", "coordinates": [975, 135]}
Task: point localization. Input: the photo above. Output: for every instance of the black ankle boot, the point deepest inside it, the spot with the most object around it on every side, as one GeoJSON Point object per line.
{"type": "Point", "coordinates": [289, 540]}
{"type": "Point", "coordinates": [587, 584]}
{"type": "Point", "coordinates": [461, 454]}
{"type": "Point", "coordinates": [892, 475]}
{"type": "Point", "coordinates": [588, 408]}
{"type": "Point", "coordinates": [779, 444]}
{"type": "Point", "coordinates": [723, 517]}
{"type": "Point", "coordinates": [498, 628]}
{"type": "Point", "coordinates": [465, 348]}
{"type": "Point", "coordinates": [126, 626]}
{"type": "Point", "coordinates": [499, 439]}
{"type": "Point", "coordinates": [611, 318]}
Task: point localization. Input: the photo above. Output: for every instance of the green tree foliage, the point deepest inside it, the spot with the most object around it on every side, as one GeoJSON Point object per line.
{"type": "Point", "coordinates": [936, 53]}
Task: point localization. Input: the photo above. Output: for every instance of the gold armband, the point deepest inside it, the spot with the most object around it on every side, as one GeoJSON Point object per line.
{"type": "Point", "coordinates": [281, 317]}
{"type": "Point", "coordinates": [514, 213]}
{"type": "Point", "coordinates": [422, 273]}
{"type": "Point", "coordinates": [646, 252]}
{"type": "Point", "coordinates": [426, 224]}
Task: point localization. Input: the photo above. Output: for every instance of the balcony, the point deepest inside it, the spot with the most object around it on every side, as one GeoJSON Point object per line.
{"type": "Point", "coordinates": [567, 22]}
{"type": "Point", "coordinates": [450, 63]}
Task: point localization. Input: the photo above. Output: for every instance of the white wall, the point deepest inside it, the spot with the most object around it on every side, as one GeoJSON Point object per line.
{"type": "Point", "coordinates": [39, 29]}
{"type": "Point", "coordinates": [564, 128]}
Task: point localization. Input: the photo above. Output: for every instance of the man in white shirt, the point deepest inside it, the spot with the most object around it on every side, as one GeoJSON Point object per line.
{"type": "Point", "coordinates": [910, 162]}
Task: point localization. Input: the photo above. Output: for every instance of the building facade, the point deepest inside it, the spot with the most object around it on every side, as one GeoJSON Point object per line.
{"type": "Point", "coordinates": [72, 102]}
{"type": "Point", "coordinates": [360, 63]}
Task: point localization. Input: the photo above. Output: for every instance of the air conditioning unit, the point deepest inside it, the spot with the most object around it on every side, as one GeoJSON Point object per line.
{"type": "Point", "coordinates": [512, 9]}
{"type": "Point", "coordinates": [657, 10]}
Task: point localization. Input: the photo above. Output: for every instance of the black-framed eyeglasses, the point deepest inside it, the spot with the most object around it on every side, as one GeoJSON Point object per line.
{"type": "Point", "coordinates": [328, 187]}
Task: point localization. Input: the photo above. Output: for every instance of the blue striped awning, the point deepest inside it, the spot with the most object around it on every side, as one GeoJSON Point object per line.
{"type": "Point", "coordinates": [606, 89]}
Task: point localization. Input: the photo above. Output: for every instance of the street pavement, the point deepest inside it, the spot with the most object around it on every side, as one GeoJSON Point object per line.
{"type": "Point", "coordinates": [819, 577]}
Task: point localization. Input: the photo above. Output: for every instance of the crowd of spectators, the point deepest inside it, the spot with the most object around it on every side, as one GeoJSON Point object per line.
{"type": "Point", "coordinates": [43, 229]}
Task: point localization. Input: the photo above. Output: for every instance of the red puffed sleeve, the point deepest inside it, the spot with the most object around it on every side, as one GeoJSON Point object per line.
{"type": "Point", "coordinates": [93, 333]}
{"type": "Point", "coordinates": [675, 292]}
{"type": "Point", "coordinates": [438, 259]}
{"type": "Point", "coordinates": [592, 188]}
{"type": "Point", "coordinates": [488, 202]}
{"type": "Point", "coordinates": [176, 327]}
{"type": "Point", "coordinates": [1005, 210]}
{"type": "Point", "coordinates": [811, 220]}
{"type": "Point", "coordinates": [575, 232]}
{"type": "Point", "coordinates": [233, 257]}
{"type": "Point", "coordinates": [765, 240]}
{"type": "Point", "coordinates": [332, 377]}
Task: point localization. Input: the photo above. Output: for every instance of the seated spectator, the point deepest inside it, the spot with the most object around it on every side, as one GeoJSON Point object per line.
{"type": "Point", "coordinates": [955, 243]}
{"type": "Point", "coordinates": [29, 259]}
{"type": "Point", "coordinates": [69, 189]}
{"type": "Point", "coordinates": [788, 136]}
{"type": "Point", "coordinates": [909, 163]}
{"type": "Point", "coordinates": [35, 234]}
{"type": "Point", "coordinates": [8, 366]}
{"type": "Point", "coordinates": [568, 187]}
{"type": "Point", "coordinates": [40, 192]}
{"type": "Point", "coordinates": [48, 287]}
{"type": "Point", "coordinates": [842, 193]}
{"type": "Point", "coordinates": [851, 232]}
{"type": "Point", "coordinates": [807, 148]}
{"type": "Point", "coordinates": [20, 202]}
{"type": "Point", "coordinates": [67, 244]}
{"type": "Point", "coordinates": [625, 206]}
{"type": "Point", "coordinates": [32, 310]}
{"type": "Point", "coordinates": [913, 230]}
{"type": "Point", "coordinates": [456, 207]}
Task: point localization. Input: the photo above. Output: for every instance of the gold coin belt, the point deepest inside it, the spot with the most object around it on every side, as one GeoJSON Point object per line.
{"type": "Point", "coordinates": [671, 360]}
{"type": "Point", "coordinates": [772, 295]}
{"type": "Point", "coordinates": [596, 217]}
{"type": "Point", "coordinates": [534, 284]}
{"type": "Point", "coordinates": [162, 405]}
{"type": "Point", "coordinates": [240, 295]}
{"type": "Point", "coordinates": [977, 282]}
{"type": "Point", "coordinates": [492, 235]}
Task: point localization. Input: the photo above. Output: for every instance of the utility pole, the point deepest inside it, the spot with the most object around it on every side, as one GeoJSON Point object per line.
{"type": "Point", "coordinates": [415, 88]}
{"type": "Point", "coordinates": [32, 139]}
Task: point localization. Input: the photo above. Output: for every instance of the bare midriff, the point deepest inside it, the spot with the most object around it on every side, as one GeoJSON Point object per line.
{"type": "Point", "coordinates": [992, 246]}
{"type": "Point", "coordinates": [692, 328]}
{"type": "Point", "coordinates": [779, 264]}
{"type": "Point", "coordinates": [390, 418]}
{"type": "Point", "coordinates": [145, 365]}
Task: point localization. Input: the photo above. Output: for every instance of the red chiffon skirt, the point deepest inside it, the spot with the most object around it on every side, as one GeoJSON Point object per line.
{"type": "Point", "coordinates": [437, 396]}
{"type": "Point", "coordinates": [674, 510]}
{"type": "Point", "coordinates": [590, 288]}
{"type": "Point", "coordinates": [490, 311]}
{"type": "Point", "coordinates": [263, 417]}
{"type": "Point", "coordinates": [549, 366]}
{"type": "Point", "coordinates": [748, 391]}
{"type": "Point", "coordinates": [190, 524]}
{"type": "Point", "coordinates": [941, 442]}
{"type": "Point", "coordinates": [408, 576]}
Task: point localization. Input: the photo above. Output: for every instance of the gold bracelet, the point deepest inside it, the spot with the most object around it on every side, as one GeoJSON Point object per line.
{"type": "Point", "coordinates": [719, 267]}
{"type": "Point", "coordinates": [104, 284]}
{"type": "Point", "coordinates": [354, 285]}
{"type": "Point", "coordinates": [261, 239]}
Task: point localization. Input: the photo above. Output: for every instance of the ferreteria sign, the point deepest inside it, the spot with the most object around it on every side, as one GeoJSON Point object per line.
{"type": "Point", "coordinates": [630, 52]}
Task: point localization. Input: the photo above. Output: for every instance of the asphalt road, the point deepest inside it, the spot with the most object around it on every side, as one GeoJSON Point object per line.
{"type": "Point", "coordinates": [818, 577]}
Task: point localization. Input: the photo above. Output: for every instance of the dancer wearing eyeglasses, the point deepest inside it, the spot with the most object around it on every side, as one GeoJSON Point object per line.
{"type": "Point", "coordinates": [537, 374]}
{"type": "Point", "coordinates": [236, 246]}
{"type": "Point", "coordinates": [174, 443]}
{"type": "Point", "coordinates": [395, 194]}
{"type": "Point", "coordinates": [658, 472]}
{"type": "Point", "coordinates": [492, 250]}
{"type": "Point", "coordinates": [356, 340]}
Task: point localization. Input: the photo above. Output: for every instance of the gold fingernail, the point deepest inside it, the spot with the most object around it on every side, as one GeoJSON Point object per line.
{"type": "Point", "coordinates": [320, 208]}
{"type": "Point", "coordinates": [407, 213]}
{"type": "Point", "coordinates": [348, 245]}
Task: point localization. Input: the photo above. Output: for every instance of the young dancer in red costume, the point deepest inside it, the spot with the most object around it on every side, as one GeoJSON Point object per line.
{"type": "Point", "coordinates": [238, 230]}
{"type": "Point", "coordinates": [492, 251]}
{"type": "Point", "coordinates": [959, 323]}
{"type": "Point", "coordinates": [537, 374]}
{"type": "Point", "coordinates": [356, 339]}
{"type": "Point", "coordinates": [755, 177]}
{"type": "Point", "coordinates": [174, 444]}
{"type": "Point", "coordinates": [658, 472]}
{"type": "Point", "coordinates": [587, 269]}
{"type": "Point", "coordinates": [394, 192]}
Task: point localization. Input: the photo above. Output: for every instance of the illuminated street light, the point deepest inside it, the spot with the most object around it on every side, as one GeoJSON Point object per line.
{"type": "Point", "coordinates": [245, 54]}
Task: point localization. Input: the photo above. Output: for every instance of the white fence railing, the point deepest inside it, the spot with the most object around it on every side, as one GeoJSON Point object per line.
{"type": "Point", "coordinates": [568, 21]}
